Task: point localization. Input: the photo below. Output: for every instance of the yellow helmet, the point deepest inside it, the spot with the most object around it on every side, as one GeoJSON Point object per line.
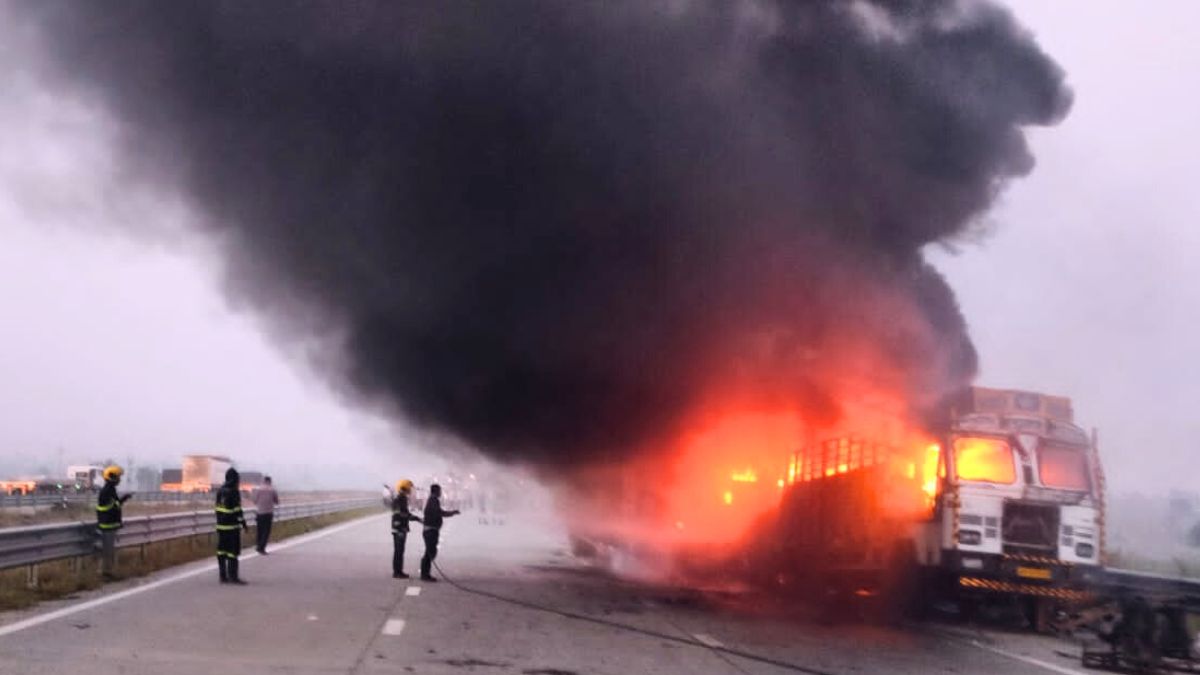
{"type": "Point", "coordinates": [113, 472]}
{"type": "Point", "coordinates": [404, 485]}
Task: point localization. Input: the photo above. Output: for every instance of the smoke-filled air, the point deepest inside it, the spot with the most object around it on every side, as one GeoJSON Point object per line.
{"type": "Point", "coordinates": [607, 241]}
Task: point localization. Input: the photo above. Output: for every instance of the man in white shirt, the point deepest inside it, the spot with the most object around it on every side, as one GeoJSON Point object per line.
{"type": "Point", "coordinates": [265, 498]}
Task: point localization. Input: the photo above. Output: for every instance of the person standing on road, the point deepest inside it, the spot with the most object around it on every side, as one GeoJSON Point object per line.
{"type": "Point", "coordinates": [108, 518]}
{"type": "Point", "coordinates": [434, 516]}
{"type": "Point", "coordinates": [265, 498]}
{"type": "Point", "coordinates": [229, 519]}
{"type": "Point", "coordinates": [401, 517]}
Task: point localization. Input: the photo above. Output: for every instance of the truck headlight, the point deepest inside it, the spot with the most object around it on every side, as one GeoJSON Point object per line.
{"type": "Point", "coordinates": [969, 537]}
{"type": "Point", "coordinates": [1084, 550]}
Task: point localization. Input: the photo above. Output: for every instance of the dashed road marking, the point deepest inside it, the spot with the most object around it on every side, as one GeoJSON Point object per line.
{"type": "Point", "coordinates": [393, 627]}
{"type": "Point", "coordinates": [1028, 659]}
{"type": "Point", "coordinates": [707, 640]}
{"type": "Point", "coordinates": [413, 590]}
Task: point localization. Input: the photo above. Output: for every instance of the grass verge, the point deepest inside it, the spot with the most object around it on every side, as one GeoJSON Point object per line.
{"type": "Point", "coordinates": [23, 587]}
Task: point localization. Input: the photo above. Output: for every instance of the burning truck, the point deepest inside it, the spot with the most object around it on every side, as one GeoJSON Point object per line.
{"type": "Point", "coordinates": [1000, 494]}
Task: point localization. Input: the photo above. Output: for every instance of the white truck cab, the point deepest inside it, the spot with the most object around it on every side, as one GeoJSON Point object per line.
{"type": "Point", "coordinates": [1021, 503]}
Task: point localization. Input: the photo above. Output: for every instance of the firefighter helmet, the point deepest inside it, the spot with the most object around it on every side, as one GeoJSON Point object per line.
{"type": "Point", "coordinates": [113, 472]}
{"type": "Point", "coordinates": [404, 485]}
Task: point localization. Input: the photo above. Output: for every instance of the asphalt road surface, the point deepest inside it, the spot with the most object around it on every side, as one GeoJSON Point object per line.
{"type": "Point", "coordinates": [326, 604]}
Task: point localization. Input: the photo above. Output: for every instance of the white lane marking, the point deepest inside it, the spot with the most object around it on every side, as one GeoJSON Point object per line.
{"type": "Point", "coordinates": [121, 595]}
{"type": "Point", "coordinates": [1028, 659]}
{"type": "Point", "coordinates": [707, 640]}
{"type": "Point", "coordinates": [412, 590]}
{"type": "Point", "coordinates": [393, 627]}
{"type": "Point", "coordinates": [312, 617]}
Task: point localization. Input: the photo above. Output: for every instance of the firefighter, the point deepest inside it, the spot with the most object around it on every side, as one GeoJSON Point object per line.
{"type": "Point", "coordinates": [108, 518]}
{"type": "Point", "coordinates": [401, 517]}
{"type": "Point", "coordinates": [229, 520]}
{"type": "Point", "coordinates": [434, 515]}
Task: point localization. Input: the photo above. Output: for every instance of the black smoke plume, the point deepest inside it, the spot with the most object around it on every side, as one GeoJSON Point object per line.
{"type": "Point", "coordinates": [553, 228]}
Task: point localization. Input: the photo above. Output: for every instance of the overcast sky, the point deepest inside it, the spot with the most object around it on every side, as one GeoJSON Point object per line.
{"type": "Point", "coordinates": [119, 347]}
{"type": "Point", "coordinates": [1085, 284]}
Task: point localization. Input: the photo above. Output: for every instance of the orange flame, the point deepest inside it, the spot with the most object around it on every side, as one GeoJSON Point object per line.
{"type": "Point", "coordinates": [931, 472]}
{"type": "Point", "coordinates": [984, 459]}
{"type": "Point", "coordinates": [713, 488]}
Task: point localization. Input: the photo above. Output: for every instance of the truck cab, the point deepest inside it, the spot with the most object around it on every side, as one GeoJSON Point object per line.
{"type": "Point", "coordinates": [1020, 508]}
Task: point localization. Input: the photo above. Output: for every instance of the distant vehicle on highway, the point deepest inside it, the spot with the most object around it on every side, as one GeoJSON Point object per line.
{"type": "Point", "coordinates": [85, 477]}
{"type": "Point", "coordinates": [204, 473]}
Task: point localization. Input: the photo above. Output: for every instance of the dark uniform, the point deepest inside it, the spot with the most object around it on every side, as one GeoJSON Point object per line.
{"type": "Point", "coordinates": [108, 521]}
{"type": "Point", "coordinates": [401, 517]}
{"type": "Point", "coordinates": [229, 520]}
{"type": "Point", "coordinates": [434, 516]}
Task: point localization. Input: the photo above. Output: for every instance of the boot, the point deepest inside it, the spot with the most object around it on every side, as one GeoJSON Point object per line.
{"type": "Point", "coordinates": [425, 575]}
{"type": "Point", "coordinates": [223, 569]}
{"type": "Point", "coordinates": [233, 573]}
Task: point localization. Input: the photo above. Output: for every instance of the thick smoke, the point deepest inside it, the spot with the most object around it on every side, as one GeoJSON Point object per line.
{"type": "Point", "coordinates": [555, 229]}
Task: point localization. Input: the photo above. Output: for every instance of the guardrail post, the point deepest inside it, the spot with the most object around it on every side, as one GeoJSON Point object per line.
{"type": "Point", "coordinates": [32, 581]}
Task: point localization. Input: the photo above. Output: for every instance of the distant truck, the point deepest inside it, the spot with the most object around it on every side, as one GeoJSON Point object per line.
{"type": "Point", "coordinates": [18, 486]}
{"type": "Point", "coordinates": [1011, 502]}
{"type": "Point", "coordinates": [204, 473]}
{"type": "Point", "coordinates": [85, 477]}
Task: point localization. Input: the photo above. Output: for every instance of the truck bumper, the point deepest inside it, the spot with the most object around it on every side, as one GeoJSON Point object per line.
{"type": "Point", "coordinates": [1020, 575]}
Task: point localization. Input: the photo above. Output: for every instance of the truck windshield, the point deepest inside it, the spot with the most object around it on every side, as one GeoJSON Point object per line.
{"type": "Point", "coordinates": [1063, 467]}
{"type": "Point", "coordinates": [987, 460]}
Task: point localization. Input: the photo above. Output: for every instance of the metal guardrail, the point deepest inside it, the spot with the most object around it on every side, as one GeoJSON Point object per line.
{"type": "Point", "coordinates": [88, 497]}
{"type": "Point", "coordinates": [42, 543]}
{"type": "Point", "coordinates": [1182, 590]}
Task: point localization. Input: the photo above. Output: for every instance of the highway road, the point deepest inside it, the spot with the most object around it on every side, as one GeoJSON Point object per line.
{"type": "Point", "coordinates": [326, 604]}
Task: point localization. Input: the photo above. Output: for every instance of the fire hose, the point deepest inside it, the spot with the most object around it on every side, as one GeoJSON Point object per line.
{"type": "Point", "coordinates": [718, 649]}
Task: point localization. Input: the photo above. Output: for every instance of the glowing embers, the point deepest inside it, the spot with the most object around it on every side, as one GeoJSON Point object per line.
{"type": "Point", "coordinates": [988, 460]}
{"type": "Point", "coordinates": [724, 476]}
{"type": "Point", "coordinates": [744, 476]}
